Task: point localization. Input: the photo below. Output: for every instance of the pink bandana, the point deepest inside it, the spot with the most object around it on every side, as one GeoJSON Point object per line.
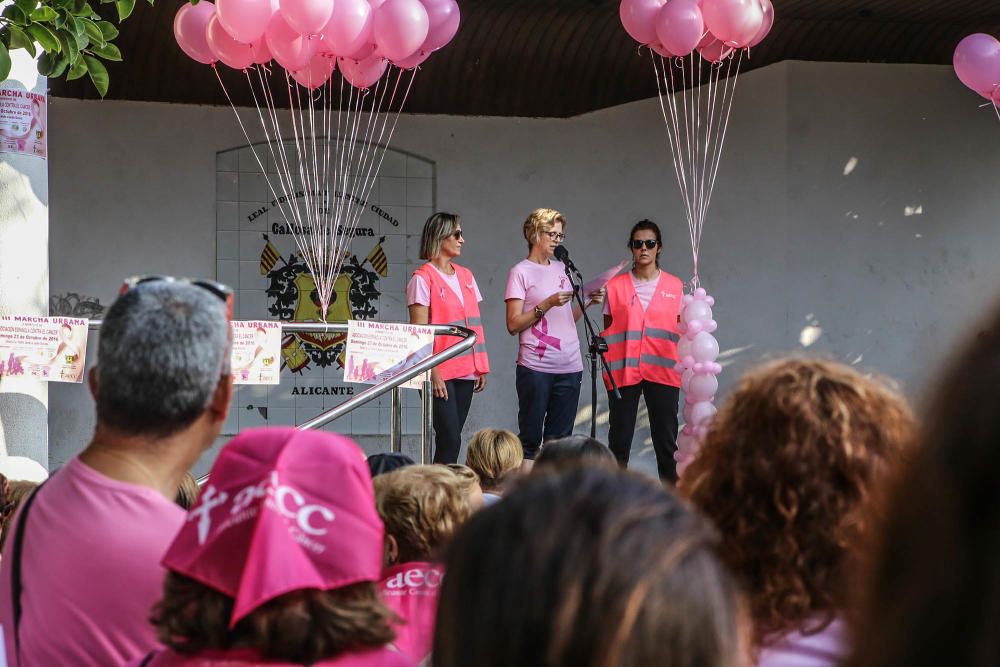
{"type": "Point", "coordinates": [283, 510]}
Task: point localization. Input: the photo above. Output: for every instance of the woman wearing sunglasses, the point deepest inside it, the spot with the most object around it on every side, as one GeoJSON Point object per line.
{"type": "Point", "coordinates": [442, 292]}
{"type": "Point", "coordinates": [549, 368]}
{"type": "Point", "coordinates": [640, 321]}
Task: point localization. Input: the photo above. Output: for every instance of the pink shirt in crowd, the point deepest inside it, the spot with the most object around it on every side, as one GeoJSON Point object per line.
{"type": "Point", "coordinates": [411, 590]}
{"type": "Point", "coordinates": [380, 657]}
{"type": "Point", "coordinates": [418, 292]}
{"type": "Point", "coordinates": [825, 648]}
{"type": "Point", "coordinates": [550, 345]}
{"type": "Point", "coordinates": [90, 570]}
{"type": "Point", "coordinates": [644, 289]}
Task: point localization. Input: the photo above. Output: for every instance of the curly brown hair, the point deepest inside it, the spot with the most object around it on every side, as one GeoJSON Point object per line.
{"type": "Point", "coordinates": [302, 627]}
{"type": "Point", "coordinates": [788, 472]}
{"type": "Point", "coordinates": [421, 506]}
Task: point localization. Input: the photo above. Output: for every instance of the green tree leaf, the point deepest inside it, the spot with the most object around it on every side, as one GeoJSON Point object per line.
{"type": "Point", "coordinates": [45, 64]}
{"type": "Point", "coordinates": [4, 62]}
{"type": "Point", "coordinates": [82, 8]}
{"type": "Point", "coordinates": [43, 14]}
{"type": "Point", "coordinates": [69, 46]}
{"type": "Point", "coordinates": [73, 25]}
{"type": "Point", "coordinates": [61, 61]}
{"type": "Point", "coordinates": [125, 8]}
{"type": "Point", "coordinates": [98, 74]}
{"type": "Point", "coordinates": [108, 52]}
{"type": "Point", "coordinates": [77, 70]}
{"type": "Point", "coordinates": [20, 40]}
{"type": "Point", "coordinates": [93, 32]}
{"type": "Point", "coordinates": [108, 29]}
{"type": "Point", "coordinates": [15, 15]}
{"type": "Point", "coordinates": [44, 36]}
{"type": "Point", "coordinates": [26, 6]}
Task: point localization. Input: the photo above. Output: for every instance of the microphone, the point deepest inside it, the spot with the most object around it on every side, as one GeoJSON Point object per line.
{"type": "Point", "coordinates": [563, 256]}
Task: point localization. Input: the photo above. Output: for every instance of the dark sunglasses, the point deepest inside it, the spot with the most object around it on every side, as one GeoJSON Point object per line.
{"type": "Point", "coordinates": [649, 243]}
{"type": "Point", "coordinates": [223, 292]}
{"type": "Point", "coordinates": [457, 234]}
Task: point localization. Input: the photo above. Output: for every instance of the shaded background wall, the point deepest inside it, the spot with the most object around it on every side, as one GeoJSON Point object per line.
{"type": "Point", "coordinates": [854, 214]}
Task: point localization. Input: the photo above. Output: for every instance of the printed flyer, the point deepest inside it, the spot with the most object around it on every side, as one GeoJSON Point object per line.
{"type": "Point", "coordinates": [256, 352]}
{"type": "Point", "coordinates": [45, 348]}
{"type": "Point", "coordinates": [22, 120]}
{"type": "Point", "coordinates": [378, 350]}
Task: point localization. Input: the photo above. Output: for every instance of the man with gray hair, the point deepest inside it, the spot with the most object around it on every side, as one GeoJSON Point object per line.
{"type": "Point", "coordinates": [81, 568]}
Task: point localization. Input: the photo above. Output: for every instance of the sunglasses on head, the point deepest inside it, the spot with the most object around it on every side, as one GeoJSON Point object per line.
{"type": "Point", "coordinates": [649, 243]}
{"type": "Point", "coordinates": [223, 292]}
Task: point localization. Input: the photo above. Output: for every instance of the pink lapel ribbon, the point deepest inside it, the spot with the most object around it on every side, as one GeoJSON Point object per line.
{"type": "Point", "coordinates": [541, 332]}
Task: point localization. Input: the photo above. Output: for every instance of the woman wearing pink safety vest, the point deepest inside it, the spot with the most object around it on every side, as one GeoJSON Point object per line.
{"type": "Point", "coordinates": [640, 320]}
{"type": "Point", "coordinates": [441, 292]}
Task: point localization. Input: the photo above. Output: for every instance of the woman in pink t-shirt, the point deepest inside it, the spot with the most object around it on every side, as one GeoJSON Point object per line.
{"type": "Point", "coordinates": [549, 368]}
{"type": "Point", "coordinates": [442, 292]}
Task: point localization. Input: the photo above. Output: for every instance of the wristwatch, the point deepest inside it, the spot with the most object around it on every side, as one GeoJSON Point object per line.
{"type": "Point", "coordinates": [539, 313]}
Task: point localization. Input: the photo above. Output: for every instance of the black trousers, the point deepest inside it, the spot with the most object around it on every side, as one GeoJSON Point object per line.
{"type": "Point", "coordinates": [661, 404]}
{"type": "Point", "coordinates": [449, 418]}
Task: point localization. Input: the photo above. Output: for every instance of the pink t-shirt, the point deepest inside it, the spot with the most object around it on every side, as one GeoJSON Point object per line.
{"type": "Point", "coordinates": [380, 657]}
{"type": "Point", "coordinates": [550, 345]}
{"type": "Point", "coordinates": [644, 289]}
{"type": "Point", "coordinates": [418, 292]}
{"type": "Point", "coordinates": [90, 569]}
{"type": "Point", "coordinates": [411, 590]}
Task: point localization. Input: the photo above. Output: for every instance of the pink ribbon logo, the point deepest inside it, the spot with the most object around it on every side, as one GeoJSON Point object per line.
{"type": "Point", "coordinates": [541, 332]}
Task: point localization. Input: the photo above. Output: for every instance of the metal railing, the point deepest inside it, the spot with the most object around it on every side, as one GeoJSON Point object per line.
{"type": "Point", "coordinates": [388, 385]}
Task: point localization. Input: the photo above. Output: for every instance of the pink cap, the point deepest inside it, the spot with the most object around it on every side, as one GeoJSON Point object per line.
{"type": "Point", "coordinates": [283, 510]}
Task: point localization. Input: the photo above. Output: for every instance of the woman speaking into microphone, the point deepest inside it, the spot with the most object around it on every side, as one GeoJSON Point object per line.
{"type": "Point", "coordinates": [549, 367]}
{"type": "Point", "coordinates": [640, 320]}
{"type": "Point", "coordinates": [442, 292]}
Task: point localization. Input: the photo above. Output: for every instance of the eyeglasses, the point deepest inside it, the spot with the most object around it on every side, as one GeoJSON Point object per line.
{"type": "Point", "coordinates": [556, 236]}
{"type": "Point", "coordinates": [223, 292]}
{"type": "Point", "coordinates": [649, 243]}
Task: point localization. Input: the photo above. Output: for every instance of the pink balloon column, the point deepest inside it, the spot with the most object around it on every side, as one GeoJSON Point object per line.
{"type": "Point", "coordinates": [698, 351]}
{"type": "Point", "coordinates": [715, 28]}
{"type": "Point", "coordinates": [977, 64]}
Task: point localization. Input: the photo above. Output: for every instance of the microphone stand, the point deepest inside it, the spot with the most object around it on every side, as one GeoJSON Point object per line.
{"type": "Point", "coordinates": [596, 346]}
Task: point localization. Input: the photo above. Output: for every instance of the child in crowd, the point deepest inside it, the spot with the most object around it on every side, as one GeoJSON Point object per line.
{"type": "Point", "coordinates": [587, 568]}
{"type": "Point", "coordinates": [573, 450]}
{"type": "Point", "coordinates": [788, 473]}
{"type": "Point", "coordinates": [494, 454]}
{"type": "Point", "coordinates": [421, 506]}
{"type": "Point", "coordinates": [277, 564]}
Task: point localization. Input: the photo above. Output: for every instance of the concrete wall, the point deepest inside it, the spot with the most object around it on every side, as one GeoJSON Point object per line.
{"type": "Point", "coordinates": [854, 211]}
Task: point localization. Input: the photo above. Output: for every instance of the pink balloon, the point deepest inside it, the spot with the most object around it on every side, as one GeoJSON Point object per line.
{"type": "Point", "coordinates": [766, 25]}
{"type": "Point", "coordinates": [686, 380]}
{"type": "Point", "coordinates": [443, 17]}
{"type": "Point", "coordinates": [710, 300]}
{"type": "Point", "coordinates": [704, 347]}
{"type": "Point", "coordinates": [244, 20]}
{"type": "Point", "coordinates": [734, 22]}
{"type": "Point", "coordinates": [703, 386]}
{"type": "Point", "coordinates": [289, 48]}
{"type": "Point", "coordinates": [400, 28]}
{"type": "Point", "coordinates": [375, 4]}
{"type": "Point", "coordinates": [684, 349]}
{"type": "Point", "coordinates": [686, 443]}
{"type": "Point", "coordinates": [977, 63]}
{"type": "Point", "coordinates": [364, 53]}
{"type": "Point", "coordinates": [261, 54]}
{"type": "Point", "coordinates": [694, 328]}
{"type": "Point", "coordinates": [702, 412]}
{"type": "Point", "coordinates": [687, 298]}
{"type": "Point", "coordinates": [316, 73]}
{"type": "Point", "coordinates": [362, 74]}
{"type": "Point", "coordinates": [349, 28]}
{"type": "Point", "coordinates": [639, 18]}
{"type": "Point", "coordinates": [714, 52]}
{"type": "Point", "coordinates": [699, 311]}
{"type": "Point", "coordinates": [700, 292]}
{"type": "Point", "coordinates": [413, 61]}
{"type": "Point", "coordinates": [231, 52]}
{"type": "Point", "coordinates": [306, 17]}
{"type": "Point", "coordinates": [190, 27]}
{"type": "Point", "coordinates": [679, 26]}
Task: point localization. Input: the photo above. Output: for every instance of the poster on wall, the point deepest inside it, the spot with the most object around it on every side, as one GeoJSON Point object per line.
{"type": "Point", "coordinates": [44, 348]}
{"type": "Point", "coordinates": [378, 350]}
{"type": "Point", "coordinates": [23, 120]}
{"type": "Point", "coordinates": [256, 352]}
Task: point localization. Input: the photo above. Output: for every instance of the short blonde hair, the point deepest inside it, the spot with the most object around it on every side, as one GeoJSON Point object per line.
{"type": "Point", "coordinates": [541, 221]}
{"type": "Point", "coordinates": [493, 453]}
{"type": "Point", "coordinates": [421, 506]}
{"type": "Point", "coordinates": [438, 227]}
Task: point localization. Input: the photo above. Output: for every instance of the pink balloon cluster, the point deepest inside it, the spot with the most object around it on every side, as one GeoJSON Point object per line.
{"type": "Point", "coordinates": [715, 28]}
{"type": "Point", "coordinates": [697, 351]}
{"type": "Point", "coordinates": [977, 64]}
{"type": "Point", "coordinates": [309, 37]}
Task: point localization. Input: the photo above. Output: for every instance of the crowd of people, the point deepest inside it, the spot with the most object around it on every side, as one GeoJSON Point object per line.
{"type": "Point", "coordinates": [822, 524]}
